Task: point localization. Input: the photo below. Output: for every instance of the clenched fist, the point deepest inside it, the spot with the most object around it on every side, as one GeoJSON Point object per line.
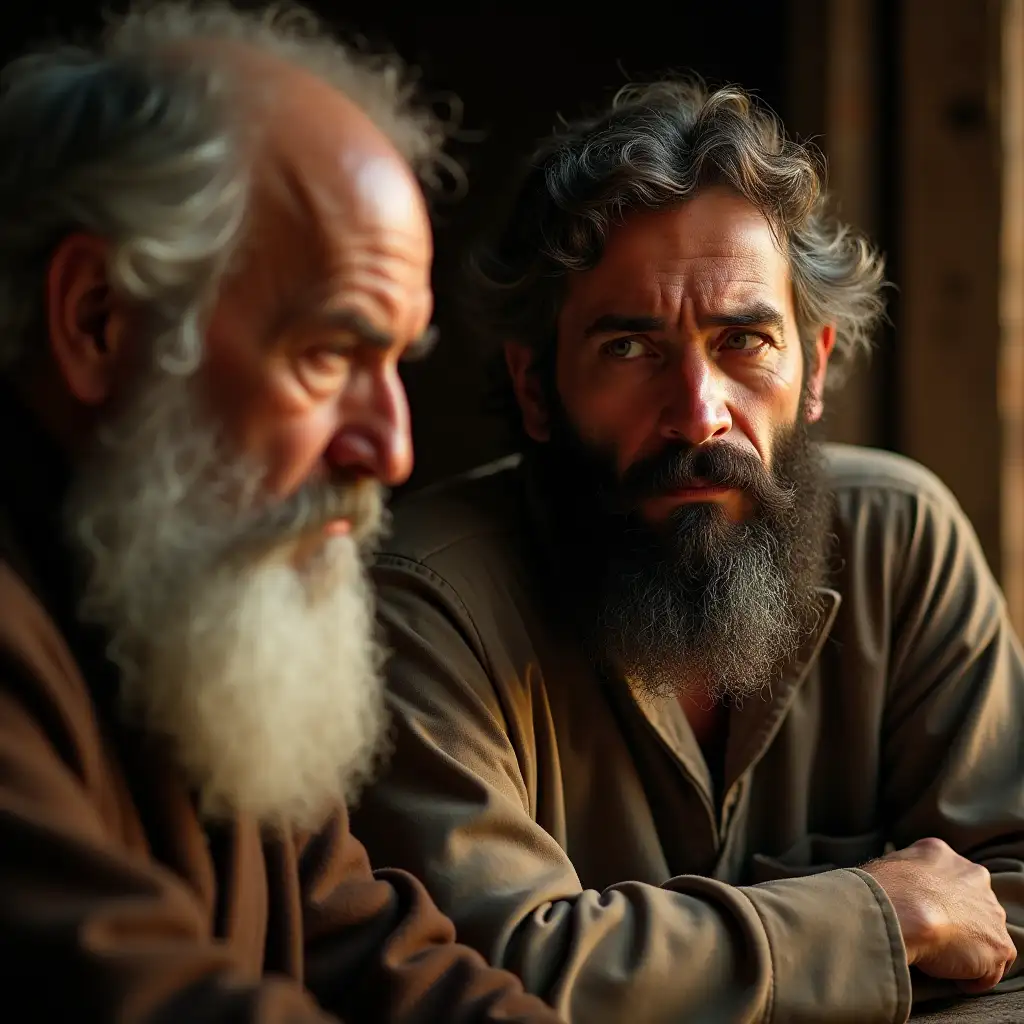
{"type": "Point", "coordinates": [952, 924]}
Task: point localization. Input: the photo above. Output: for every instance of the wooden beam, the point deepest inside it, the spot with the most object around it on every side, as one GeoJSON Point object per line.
{"type": "Point", "coordinates": [950, 335]}
{"type": "Point", "coordinates": [833, 99]}
{"type": "Point", "coordinates": [1011, 308]}
{"type": "Point", "coordinates": [853, 147]}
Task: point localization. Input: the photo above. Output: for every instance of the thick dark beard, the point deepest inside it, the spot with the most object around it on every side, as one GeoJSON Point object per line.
{"type": "Point", "coordinates": [700, 604]}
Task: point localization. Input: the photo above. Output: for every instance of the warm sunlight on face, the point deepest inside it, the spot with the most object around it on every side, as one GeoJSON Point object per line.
{"type": "Point", "coordinates": [684, 333]}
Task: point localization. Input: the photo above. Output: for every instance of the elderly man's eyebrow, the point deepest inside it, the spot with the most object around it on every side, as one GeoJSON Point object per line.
{"type": "Point", "coordinates": [352, 322]}
{"type": "Point", "coordinates": [421, 347]}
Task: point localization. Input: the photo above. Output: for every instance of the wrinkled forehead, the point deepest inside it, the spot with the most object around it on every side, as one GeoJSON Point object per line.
{"type": "Point", "coordinates": [713, 249]}
{"type": "Point", "coordinates": [317, 160]}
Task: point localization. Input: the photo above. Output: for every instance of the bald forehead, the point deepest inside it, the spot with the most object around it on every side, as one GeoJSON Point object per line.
{"type": "Point", "coordinates": [325, 178]}
{"type": "Point", "coordinates": [336, 216]}
{"type": "Point", "coordinates": [344, 170]}
{"type": "Point", "coordinates": [308, 133]}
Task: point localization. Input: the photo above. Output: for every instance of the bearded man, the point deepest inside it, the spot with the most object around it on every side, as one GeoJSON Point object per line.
{"type": "Point", "coordinates": [213, 253]}
{"type": "Point", "coordinates": [696, 718]}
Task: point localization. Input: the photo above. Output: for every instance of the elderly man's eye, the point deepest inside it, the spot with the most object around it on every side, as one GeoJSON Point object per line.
{"type": "Point", "coordinates": [328, 354]}
{"type": "Point", "coordinates": [323, 369]}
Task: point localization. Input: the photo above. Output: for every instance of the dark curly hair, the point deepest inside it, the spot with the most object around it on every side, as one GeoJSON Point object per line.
{"type": "Point", "coordinates": [656, 146]}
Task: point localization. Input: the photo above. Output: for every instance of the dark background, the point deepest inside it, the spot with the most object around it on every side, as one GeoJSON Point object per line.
{"type": "Point", "coordinates": [512, 77]}
{"type": "Point", "coordinates": [919, 107]}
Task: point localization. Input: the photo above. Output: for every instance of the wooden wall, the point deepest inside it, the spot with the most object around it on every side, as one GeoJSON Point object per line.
{"type": "Point", "coordinates": [919, 105]}
{"type": "Point", "coordinates": [961, 389]}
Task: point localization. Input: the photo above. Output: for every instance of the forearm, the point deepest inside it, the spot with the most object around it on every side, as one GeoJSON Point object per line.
{"type": "Point", "coordinates": [698, 949]}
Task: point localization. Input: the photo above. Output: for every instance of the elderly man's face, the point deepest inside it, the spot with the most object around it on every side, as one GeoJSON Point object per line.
{"type": "Point", "coordinates": [221, 516]}
{"type": "Point", "coordinates": [303, 350]}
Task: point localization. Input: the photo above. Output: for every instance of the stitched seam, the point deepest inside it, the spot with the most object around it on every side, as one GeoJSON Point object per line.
{"type": "Point", "coordinates": [402, 562]}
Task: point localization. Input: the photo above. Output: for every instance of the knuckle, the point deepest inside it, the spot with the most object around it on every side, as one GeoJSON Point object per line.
{"type": "Point", "coordinates": [980, 872]}
{"type": "Point", "coordinates": [932, 845]}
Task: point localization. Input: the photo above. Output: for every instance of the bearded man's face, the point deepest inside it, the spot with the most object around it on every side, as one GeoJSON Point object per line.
{"type": "Point", "coordinates": [671, 432]}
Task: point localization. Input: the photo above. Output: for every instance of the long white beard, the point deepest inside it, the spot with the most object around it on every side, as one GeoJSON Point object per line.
{"type": "Point", "coordinates": [257, 661]}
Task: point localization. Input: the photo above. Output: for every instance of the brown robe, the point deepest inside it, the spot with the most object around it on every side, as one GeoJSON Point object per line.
{"type": "Point", "coordinates": [116, 903]}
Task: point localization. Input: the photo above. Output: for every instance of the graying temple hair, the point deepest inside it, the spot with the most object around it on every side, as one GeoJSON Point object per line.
{"type": "Point", "coordinates": [657, 146]}
{"type": "Point", "coordinates": [122, 141]}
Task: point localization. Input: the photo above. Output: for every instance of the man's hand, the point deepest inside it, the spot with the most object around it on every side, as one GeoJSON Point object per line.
{"type": "Point", "coordinates": [952, 924]}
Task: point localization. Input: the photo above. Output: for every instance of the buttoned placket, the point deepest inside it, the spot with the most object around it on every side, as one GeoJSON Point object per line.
{"type": "Point", "coordinates": [752, 727]}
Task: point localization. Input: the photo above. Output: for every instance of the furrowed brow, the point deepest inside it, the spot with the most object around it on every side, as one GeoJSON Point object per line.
{"type": "Point", "coordinates": [614, 323]}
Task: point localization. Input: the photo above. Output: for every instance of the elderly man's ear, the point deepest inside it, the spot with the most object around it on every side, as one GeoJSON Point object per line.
{"type": "Point", "coordinates": [87, 322]}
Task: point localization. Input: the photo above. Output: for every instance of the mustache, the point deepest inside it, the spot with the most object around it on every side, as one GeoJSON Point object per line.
{"type": "Point", "coordinates": [677, 467]}
{"type": "Point", "coordinates": [318, 502]}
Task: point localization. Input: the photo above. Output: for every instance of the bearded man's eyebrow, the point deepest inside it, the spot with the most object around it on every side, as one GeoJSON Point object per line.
{"type": "Point", "coordinates": [756, 314]}
{"type": "Point", "coordinates": [615, 323]}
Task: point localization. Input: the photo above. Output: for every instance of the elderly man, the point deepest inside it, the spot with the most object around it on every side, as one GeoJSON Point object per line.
{"type": "Point", "coordinates": [691, 711]}
{"type": "Point", "coordinates": [213, 254]}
